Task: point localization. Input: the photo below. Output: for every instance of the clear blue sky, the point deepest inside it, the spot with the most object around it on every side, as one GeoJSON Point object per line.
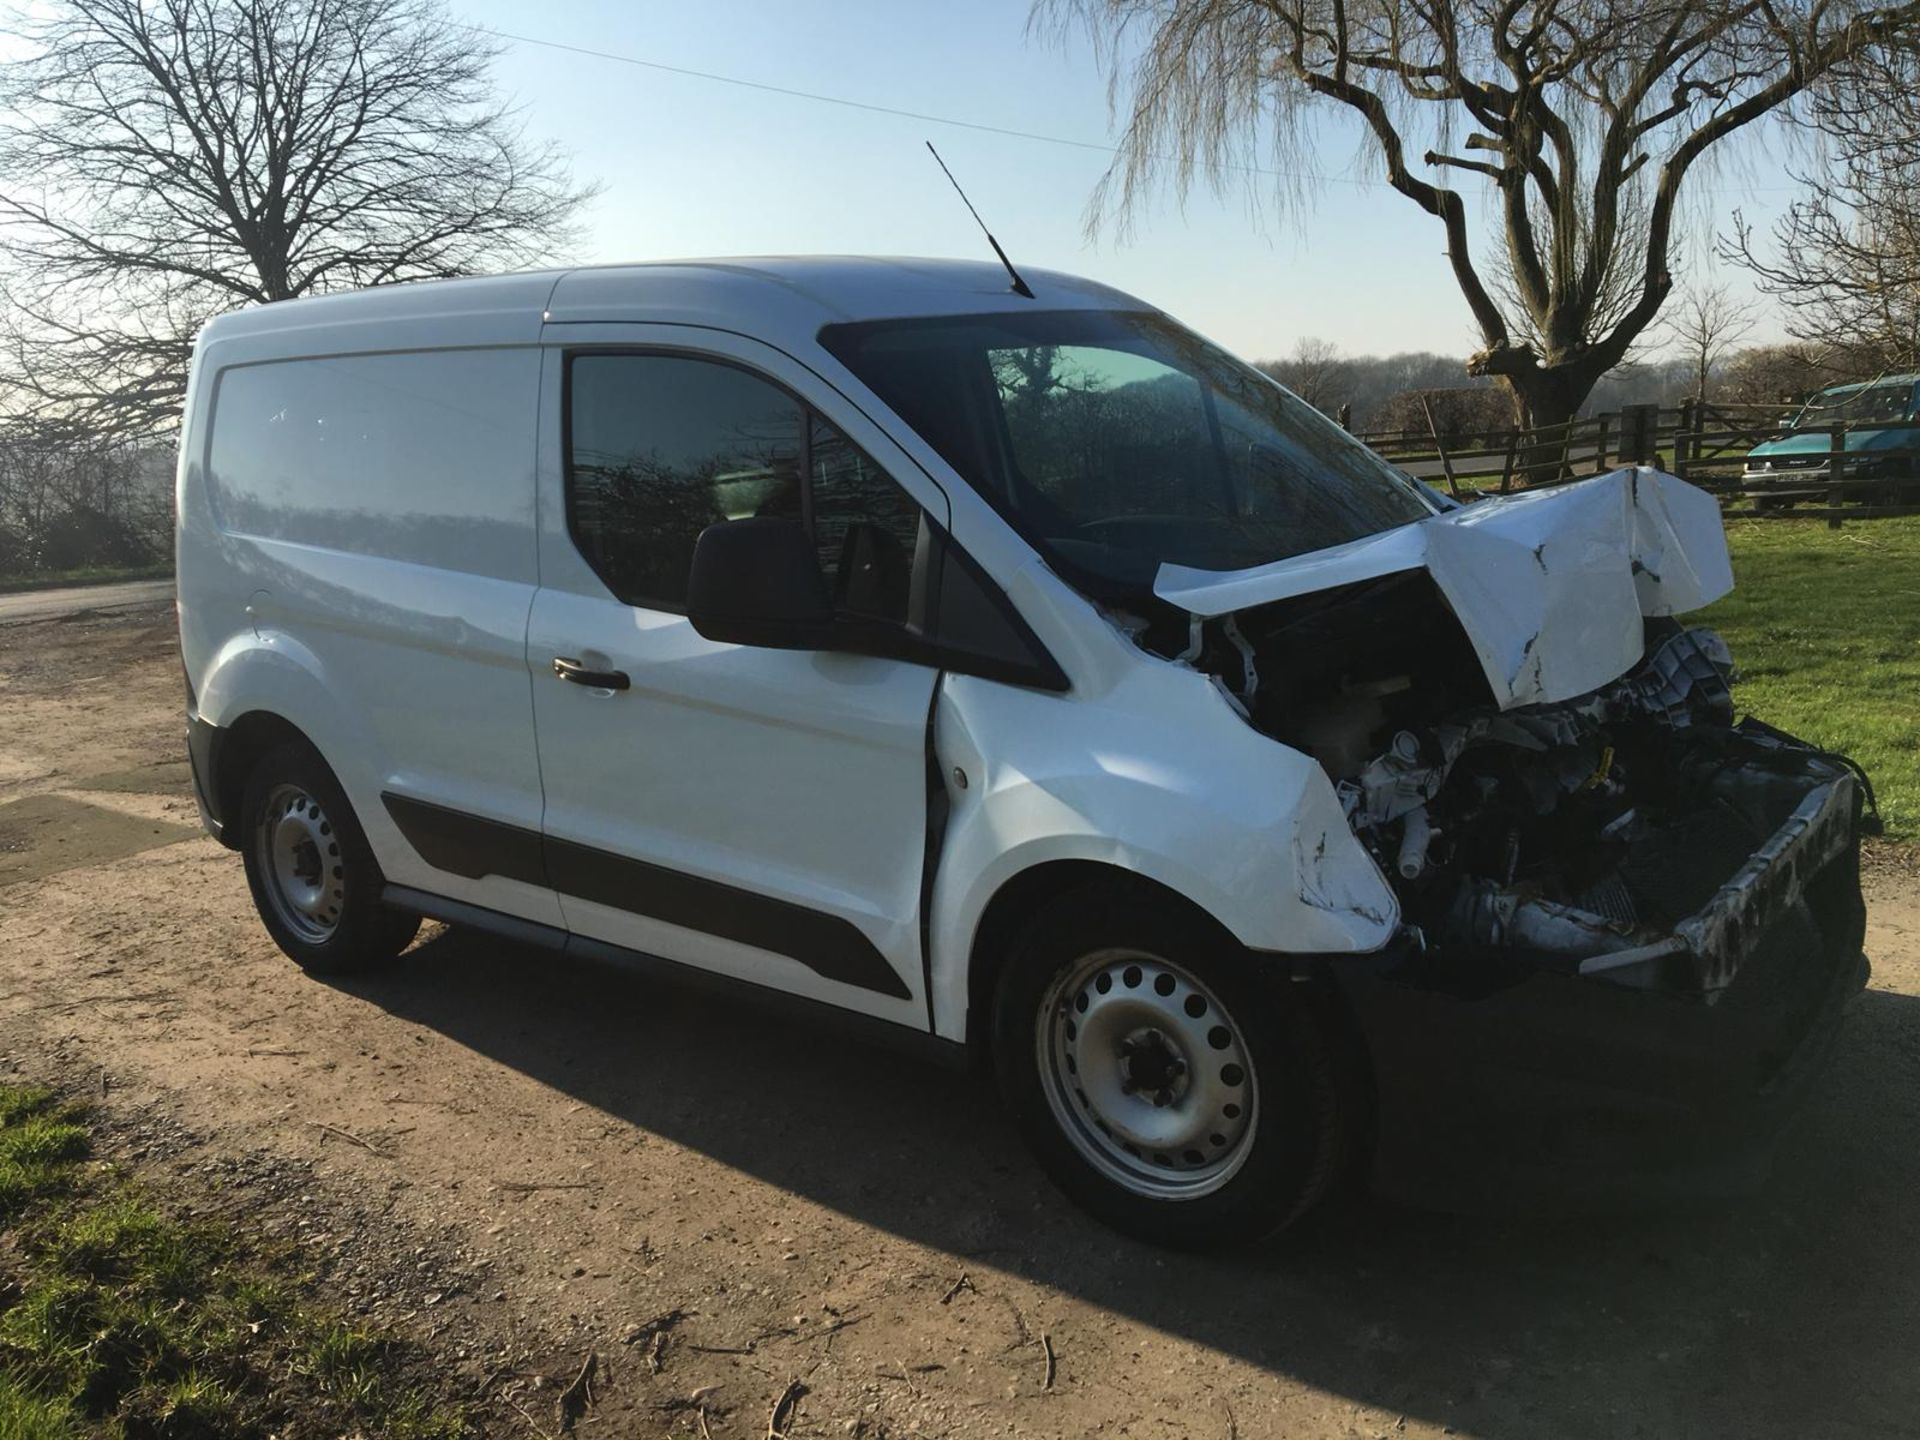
{"type": "Point", "coordinates": [691, 167]}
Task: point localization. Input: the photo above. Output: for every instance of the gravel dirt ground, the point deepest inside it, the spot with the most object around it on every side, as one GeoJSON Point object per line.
{"type": "Point", "coordinates": [720, 1204]}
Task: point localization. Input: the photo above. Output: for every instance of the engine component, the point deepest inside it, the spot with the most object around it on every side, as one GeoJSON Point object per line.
{"type": "Point", "coordinates": [1484, 913]}
{"type": "Point", "coordinates": [1415, 836]}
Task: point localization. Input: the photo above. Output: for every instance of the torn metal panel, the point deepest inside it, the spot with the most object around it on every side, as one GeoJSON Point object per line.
{"type": "Point", "coordinates": [1551, 587]}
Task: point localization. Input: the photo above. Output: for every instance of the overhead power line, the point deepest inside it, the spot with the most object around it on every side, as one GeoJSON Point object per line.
{"type": "Point", "coordinates": [872, 109]}
{"type": "Point", "coordinates": [983, 127]}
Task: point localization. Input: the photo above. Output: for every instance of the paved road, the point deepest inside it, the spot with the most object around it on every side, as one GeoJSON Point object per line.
{"type": "Point", "coordinates": [80, 599]}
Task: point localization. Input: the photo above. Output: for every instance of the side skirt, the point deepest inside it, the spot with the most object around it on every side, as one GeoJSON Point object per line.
{"type": "Point", "coordinates": [885, 1034]}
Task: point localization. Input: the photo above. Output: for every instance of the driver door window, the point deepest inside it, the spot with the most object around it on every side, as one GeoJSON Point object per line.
{"type": "Point", "coordinates": [662, 446]}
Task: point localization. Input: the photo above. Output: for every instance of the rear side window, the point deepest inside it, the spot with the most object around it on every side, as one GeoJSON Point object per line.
{"type": "Point", "coordinates": [662, 446]}
{"type": "Point", "coordinates": [424, 456]}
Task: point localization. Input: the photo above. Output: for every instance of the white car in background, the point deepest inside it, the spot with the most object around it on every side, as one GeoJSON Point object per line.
{"type": "Point", "coordinates": [1022, 673]}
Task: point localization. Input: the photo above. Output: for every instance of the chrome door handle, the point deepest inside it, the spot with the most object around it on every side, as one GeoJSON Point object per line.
{"type": "Point", "coordinates": [574, 672]}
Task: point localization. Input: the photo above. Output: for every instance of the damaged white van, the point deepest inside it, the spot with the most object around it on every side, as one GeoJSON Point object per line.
{"type": "Point", "coordinates": [1023, 673]}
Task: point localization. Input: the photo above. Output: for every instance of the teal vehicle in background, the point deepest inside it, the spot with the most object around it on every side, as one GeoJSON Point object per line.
{"type": "Point", "coordinates": [1882, 441]}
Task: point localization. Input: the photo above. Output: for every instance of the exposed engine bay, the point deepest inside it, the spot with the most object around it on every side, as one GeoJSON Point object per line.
{"type": "Point", "coordinates": [1635, 833]}
{"type": "Point", "coordinates": [1597, 833]}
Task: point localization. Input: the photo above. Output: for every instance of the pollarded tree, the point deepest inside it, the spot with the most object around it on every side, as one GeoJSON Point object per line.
{"type": "Point", "coordinates": [1584, 117]}
{"type": "Point", "coordinates": [164, 160]}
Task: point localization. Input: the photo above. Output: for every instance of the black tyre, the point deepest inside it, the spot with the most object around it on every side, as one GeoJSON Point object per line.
{"type": "Point", "coordinates": [312, 873]}
{"type": "Point", "coordinates": [1166, 1083]}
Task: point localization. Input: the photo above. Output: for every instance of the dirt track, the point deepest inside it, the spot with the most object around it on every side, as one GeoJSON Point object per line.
{"type": "Point", "coordinates": [808, 1204]}
{"type": "Point", "coordinates": [77, 599]}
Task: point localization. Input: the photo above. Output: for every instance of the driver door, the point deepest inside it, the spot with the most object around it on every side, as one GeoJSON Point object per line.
{"type": "Point", "coordinates": [755, 812]}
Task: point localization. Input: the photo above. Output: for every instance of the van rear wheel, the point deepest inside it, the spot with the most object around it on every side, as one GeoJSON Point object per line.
{"type": "Point", "coordinates": [1164, 1082]}
{"type": "Point", "coordinates": [313, 876]}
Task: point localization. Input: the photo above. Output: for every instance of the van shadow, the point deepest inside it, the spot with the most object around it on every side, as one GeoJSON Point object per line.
{"type": "Point", "coordinates": [1795, 1313]}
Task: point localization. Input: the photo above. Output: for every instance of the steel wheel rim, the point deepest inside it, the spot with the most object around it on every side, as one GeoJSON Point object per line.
{"type": "Point", "coordinates": [1147, 1074]}
{"type": "Point", "coordinates": [301, 868]}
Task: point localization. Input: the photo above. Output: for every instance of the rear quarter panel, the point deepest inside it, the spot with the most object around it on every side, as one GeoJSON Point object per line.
{"type": "Point", "coordinates": [358, 555]}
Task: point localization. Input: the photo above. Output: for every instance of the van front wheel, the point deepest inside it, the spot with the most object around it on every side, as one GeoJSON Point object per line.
{"type": "Point", "coordinates": [311, 871]}
{"type": "Point", "coordinates": [1164, 1083]}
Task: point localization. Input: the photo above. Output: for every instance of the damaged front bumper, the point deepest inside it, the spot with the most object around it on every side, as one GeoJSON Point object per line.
{"type": "Point", "coordinates": [1661, 1075]}
{"type": "Point", "coordinates": [1708, 947]}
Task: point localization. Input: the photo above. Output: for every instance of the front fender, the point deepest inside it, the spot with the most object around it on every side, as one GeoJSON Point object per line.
{"type": "Point", "coordinates": [1157, 777]}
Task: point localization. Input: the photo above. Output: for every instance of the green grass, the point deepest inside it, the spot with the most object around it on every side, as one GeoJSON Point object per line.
{"type": "Point", "coordinates": [1825, 630]}
{"type": "Point", "coordinates": [26, 1416]}
{"type": "Point", "coordinates": [119, 1320]}
{"type": "Point", "coordinates": [87, 575]}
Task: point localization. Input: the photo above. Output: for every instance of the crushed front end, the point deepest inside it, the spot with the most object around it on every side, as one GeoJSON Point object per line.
{"type": "Point", "coordinates": [1633, 923]}
{"type": "Point", "coordinates": [1637, 836]}
{"type": "Point", "coordinates": [1630, 921]}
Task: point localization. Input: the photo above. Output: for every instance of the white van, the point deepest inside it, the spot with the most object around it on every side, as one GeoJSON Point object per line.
{"type": "Point", "coordinates": [1027, 675]}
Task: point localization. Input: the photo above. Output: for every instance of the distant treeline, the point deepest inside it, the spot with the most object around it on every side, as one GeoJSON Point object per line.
{"type": "Point", "coordinates": [71, 503]}
{"type": "Point", "coordinates": [1385, 392]}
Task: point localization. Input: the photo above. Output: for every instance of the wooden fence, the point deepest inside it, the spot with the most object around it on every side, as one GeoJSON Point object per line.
{"type": "Point", "coordinates": [1706, 444]}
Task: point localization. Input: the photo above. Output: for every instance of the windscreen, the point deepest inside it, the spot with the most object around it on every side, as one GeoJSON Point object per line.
{"type": "Point", "coordinates": [1117, 441]}
{"type": "Point", "coordinates": [1867, 405]}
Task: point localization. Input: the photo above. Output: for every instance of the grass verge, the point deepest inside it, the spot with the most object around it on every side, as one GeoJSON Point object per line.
{"type": "Point", "coordinates": [1825, 630]}
{"type": "Point", "coordinates": [118, 1320]}
{"type": "Point", "coordinates": [91, 575]}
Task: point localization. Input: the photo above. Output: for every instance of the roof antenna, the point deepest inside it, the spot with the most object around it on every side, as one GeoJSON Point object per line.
{"type": "Point", "coordinates": [1019, 285]}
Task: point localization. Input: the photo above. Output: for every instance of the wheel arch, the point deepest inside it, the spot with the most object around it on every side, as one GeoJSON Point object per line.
{"type": "Point", "coordinates": [247, 694]}
{"type": "Point", "coordinates": [1023, 895]}
{"type": "Point", "coordinates": [242, 743]}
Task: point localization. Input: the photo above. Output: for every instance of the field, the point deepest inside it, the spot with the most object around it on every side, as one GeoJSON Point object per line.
{"type": "Point", "coordinates": [1825, 630]}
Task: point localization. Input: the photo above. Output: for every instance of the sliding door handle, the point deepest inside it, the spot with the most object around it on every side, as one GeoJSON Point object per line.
{"type": "Point", "coordinates": [574, 672]}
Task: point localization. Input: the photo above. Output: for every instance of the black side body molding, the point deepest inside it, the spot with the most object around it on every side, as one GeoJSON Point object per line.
{"type": "Point", "coordinates": [919, 1043]}
{"type": "Point", "coordinates": [463, 844]}
{"type": "Point", "coordinates": [471, 846]}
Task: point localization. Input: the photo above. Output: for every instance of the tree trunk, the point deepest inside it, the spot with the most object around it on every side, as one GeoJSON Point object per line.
{"type": "Point", "coordinates": [1548, 398]}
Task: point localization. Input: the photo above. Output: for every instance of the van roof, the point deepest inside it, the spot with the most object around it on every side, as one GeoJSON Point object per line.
{"type": "Point", "coordinates": [1852, 386]}
{"type": "Point", "coordinates": [808, 291]}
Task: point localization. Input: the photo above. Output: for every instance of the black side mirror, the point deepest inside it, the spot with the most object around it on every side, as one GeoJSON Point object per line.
{"type": "Point", "coordinates": [758, 582]}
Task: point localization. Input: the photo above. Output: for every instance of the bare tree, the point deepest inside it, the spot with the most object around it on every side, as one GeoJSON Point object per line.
{"type": "Point", "coordinates": [1584, 116]}
{"type": "Point", "coordinates": [165, 160]}
{"type": "Point", "coordinates": [1845, 259]}
{"type": "Point", "coordinates": [1778, 375]}
{"type": "Point", "coordinates": [1706, 323]}
{"type": "Point", "coordinates": [1313, 372]}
